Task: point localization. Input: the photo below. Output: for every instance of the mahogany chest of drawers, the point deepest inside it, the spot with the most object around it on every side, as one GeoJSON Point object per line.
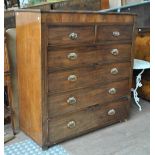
{"type": "Point", "coordinates": [74, 72]}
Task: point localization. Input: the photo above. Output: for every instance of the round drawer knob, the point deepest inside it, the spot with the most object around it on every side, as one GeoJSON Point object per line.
{"type": "Point", "coordinates": [72, 78]}
{"type": "Point", "coordinates": [73, 36]}
{"type": "Point", "coordinates": [114, 52]}
{"type": "Point", "coordinates": [72, 56]}
{"type": "Point", "coordinates": [71, 100]}
{"type": "Point", "coordinates": [114, 71]}
{"type": "Point", "coordinates": [111, 112]}
{"type": "Point", "coordinates": [116, 33]}
{"type": "Point", "coordinates": [71, 124]}
{"type": "Point", "coordinates": [112, 91]}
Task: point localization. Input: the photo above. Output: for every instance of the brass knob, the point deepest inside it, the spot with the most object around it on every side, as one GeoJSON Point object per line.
{"type": "Point", "coordinates": [72, 78]}
{"type": "Point", "coordinates": [114, 52]}
{"type": "Point", "coordinates": [73, 36]}
{"type": "Point", "coordinates": [114, 71]}
{"type": "Point", "coordinates": [72, 56]}
{"type": "Point", "coordinates": [71, 100]}
{"type": "Point", "coordinates": [112, 91]}
{"type": "Point", "coordinates": [71, 124]}
{"type": "Point", "coordinates": [116, 34]}
{"type": "Point", "coordinates": [111, 112]}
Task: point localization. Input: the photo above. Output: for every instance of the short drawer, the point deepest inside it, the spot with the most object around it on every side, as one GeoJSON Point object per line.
{"type": "Point", "coordinates": [91, 118]}
{"type": "Point", "coordinates": [72, 57]}
{"type": "Point", "coordinates": [114, 33]}
{"type": "Point", "coordinates": [70, 35]}
{"type": "Point", "coordinates": [62, 81]}
{"type": "Point", "coordinates": [82, 98]}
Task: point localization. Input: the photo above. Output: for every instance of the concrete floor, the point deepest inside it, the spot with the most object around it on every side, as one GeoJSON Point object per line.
{"type": "Point", "coordinates": [127, 138]}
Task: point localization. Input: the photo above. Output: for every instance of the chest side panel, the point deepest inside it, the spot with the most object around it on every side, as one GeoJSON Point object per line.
{"type": "Point", "coordinates": [28, 29]}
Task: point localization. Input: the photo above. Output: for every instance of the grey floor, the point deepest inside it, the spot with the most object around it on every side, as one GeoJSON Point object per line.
{"type": "Point", "coordinates": [127, 138]}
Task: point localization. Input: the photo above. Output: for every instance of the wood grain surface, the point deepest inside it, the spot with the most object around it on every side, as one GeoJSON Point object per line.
{"type": "Point", "coordinates": [29, 73]}
{"type": "Point", "coordinates": [86, 76]}
{"type": "Point", "coordinates": [105, 33]}
{"type": "Point", "coordinates": [90, 118]}
{"type": "Point", "coordinates": [60, 34]}
{"type": "Point", "coordinates": [48, 78]}
{"type": "Point", "coordinates": [86, 97]}
{"type": "Point", "coordinates": [58, 58]}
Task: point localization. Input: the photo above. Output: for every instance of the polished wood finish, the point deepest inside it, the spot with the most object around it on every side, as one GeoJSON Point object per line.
{"type": "Point", "coordinates": [68, 69]}
{"type": "Point", "coordinates": [86, 76]}
{"type": "Point", "coordinates": [106, 33]}
{"type": "Point", "coordinates": [60, 34]}
{"type": "Point", "coordinates": [58, 58]}
{"type": "Point", "coordinates": [90, 118]}
{"type": "Point", "coordinates": [85, 97]}
{"type": "Point", "coordinates": [29, 71]}
{"type": "Point", "coordinates": [88, 17]}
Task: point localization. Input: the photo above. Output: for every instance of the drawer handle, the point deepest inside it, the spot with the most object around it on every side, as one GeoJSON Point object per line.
{"type": "Point", "coordinates": [112, 91]}
{"type": "Point", "coordinates": [71, 100]}
{"type": "Point", "coordinates": [114, 71]}
{"type": "Point", "coordinates": [111, 112]}
{"type": "Point", "coordinates": [114, 52]}
{"type": "Point", "coordinates": [116, 34]}
{"type": "Point", "coordinates": [72, 56]}
{"type": "Point", "coordinates": [72, 78]}
{"type": "Point", "coordinates": [73, 36]}
{"type": "Point", "coordinates": [71, 124]}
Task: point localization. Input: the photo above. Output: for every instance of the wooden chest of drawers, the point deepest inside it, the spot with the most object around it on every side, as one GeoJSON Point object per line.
{"type": "Point", "coordinates": [74, 72]}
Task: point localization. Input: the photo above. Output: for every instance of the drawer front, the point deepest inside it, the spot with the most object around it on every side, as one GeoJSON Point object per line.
{"type": "Point", "coordinates": [97, 116]}
{"type": "Point", "coordinates": [71, 57]}
{"type": "Point", "coordinates": [114, 33]}
{"type": "Point", "coordinates": [75, 100]}
{"type": "Point", "coordinates": [70, 35]}
{"type": "Point", "coordinates": [62, 81]}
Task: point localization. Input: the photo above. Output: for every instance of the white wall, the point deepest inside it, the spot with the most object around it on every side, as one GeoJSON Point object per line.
{"type": "Point", "coordinates": [117, 3]}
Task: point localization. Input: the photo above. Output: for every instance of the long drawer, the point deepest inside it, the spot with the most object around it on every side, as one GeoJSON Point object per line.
{"type": "Point", "coordinates": [60, 104]}
{"type": "Point", "coordinates": [62, 81]}
{"type": "Point", "coordinates": [86, 120]}
{"type": "Point", "coordinates": [80, 56]}
{"type": "Point", "coordinates": [70, 34]}
{"type": "Point", "coordinates": [114, 33]}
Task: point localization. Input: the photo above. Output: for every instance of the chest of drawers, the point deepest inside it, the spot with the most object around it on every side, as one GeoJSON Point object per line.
{"type": "Point", "coordinates": [74, 72]}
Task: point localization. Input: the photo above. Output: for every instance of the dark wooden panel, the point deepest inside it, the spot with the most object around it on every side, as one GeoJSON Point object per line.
{"type": "Point", "coordinates": [60, 104]}
{"type": "Point", "coordinates": [61, 58]}
{"type": "Point", "coordinates": [9, 19]}
{"type": "Point", "coordinates": [143, 14]}
{"type": "Point", "coordinates": [142, 10]}
{"type": "Point", "coordinates": [78, 5]}
{"type": "Point", "coordinates": [89, 118]}
{"type": "Point", "coordinates": [105, 33]}
{"type": "Point", "coordinates": [88, 17]}
{"type": "Point", "coordinates": [86, 76]}
{"type": "Point", "coordinates": [68, 5]}
{"type": "Point", "coordinates": [61, 34]}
